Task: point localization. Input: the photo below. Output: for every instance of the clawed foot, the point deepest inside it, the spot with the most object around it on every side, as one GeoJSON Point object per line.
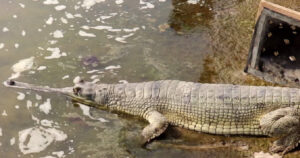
{"type": "Point", "coordinates": [286, 144]}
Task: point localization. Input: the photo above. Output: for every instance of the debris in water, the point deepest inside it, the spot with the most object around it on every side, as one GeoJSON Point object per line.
{"type": "Point", "coordinates": [50, 21]}
{"type": "Point", "coordinates": [85, 34]}
{"type": "Point", "coordinates": [163, 27]}
{"type": "Point", "coordinates": [90, 61]}
{"type": "Point", "coordinates": [37, 139]}
{"type": "Point", "coordinates": [286, 41]}
{"type": "Point", "coordinates": [5, 29]}
{"type": "Point", "coordinates": [58, 34]}
{"type": "Point", "coordinates": [270, 34]}
{"type": "Point", "coordinates": [60, 7]}
{"type": "Point", "coordinates": [292, 58]}
{"type": "Point", "coordinates": [1, 45]}
{"type": "Point", "coordinates": [23, 65]}
{"type": "Point", "coordinates": [45, 107]}
{"type": "Point", "coordinates": [21, 96]}
{"type": "Point", "coordinates": [48, 2]}
{"type": "Point", "coordinates": [112, 67]}
{"type": "Point", "coordinates": [40, 68]}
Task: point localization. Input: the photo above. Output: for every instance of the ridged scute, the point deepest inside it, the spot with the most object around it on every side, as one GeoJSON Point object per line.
{"type": "Point", "coordinates": [211, 108]}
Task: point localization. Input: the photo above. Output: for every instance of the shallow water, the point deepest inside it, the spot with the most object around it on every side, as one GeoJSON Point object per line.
{"type": "Point", "coordinates": [49, 42]}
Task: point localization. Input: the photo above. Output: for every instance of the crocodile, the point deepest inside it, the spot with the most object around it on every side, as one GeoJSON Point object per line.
{"type": "Point", "coordinates": [224, 109]}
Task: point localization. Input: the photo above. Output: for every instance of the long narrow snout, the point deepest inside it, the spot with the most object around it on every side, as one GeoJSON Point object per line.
{"type": "Point", "coordinates": [67, 91]}
{"type": "Point", "coordinates": [15, 84]}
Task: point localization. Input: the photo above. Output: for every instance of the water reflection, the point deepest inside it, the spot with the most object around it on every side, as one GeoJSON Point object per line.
{"type": "Point", "coordinates": [189, 14]}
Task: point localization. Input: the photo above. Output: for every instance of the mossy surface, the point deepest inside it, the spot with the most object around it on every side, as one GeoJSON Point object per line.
{"type": "Point", "coordinates": [231, 34]}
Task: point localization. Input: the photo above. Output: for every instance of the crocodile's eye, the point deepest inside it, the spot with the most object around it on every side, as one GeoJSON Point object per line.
{"type": "Point", "coordinates": [76, 90]}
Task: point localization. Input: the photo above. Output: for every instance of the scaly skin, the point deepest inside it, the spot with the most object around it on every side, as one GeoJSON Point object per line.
{"type": "Point", "coordinates": [210, 108]}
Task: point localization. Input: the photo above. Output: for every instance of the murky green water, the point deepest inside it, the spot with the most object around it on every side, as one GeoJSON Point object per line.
{"type": "Point", "coordinates": [109, 41]}
{"type": "Point", "coordinates": [106, 41]}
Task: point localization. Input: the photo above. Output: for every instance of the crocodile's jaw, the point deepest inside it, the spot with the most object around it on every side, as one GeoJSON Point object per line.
{"type": "Point", "coordinates": [67, 91]}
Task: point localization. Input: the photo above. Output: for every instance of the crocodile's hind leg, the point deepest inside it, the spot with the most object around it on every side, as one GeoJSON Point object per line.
{"type": "Point", "coordinates": [285, 124]}
{"type": "Point", "coordinates": [158, 124]}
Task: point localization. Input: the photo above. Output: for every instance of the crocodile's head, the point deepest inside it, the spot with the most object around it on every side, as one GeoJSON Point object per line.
{"type": "Point", "coordinates": [90, 91]}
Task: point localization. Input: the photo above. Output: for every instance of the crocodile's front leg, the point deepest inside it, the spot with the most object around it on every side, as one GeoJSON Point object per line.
{"type": "Point", "coordinates": [158, 124]}
{"type": "Point", "coordinates": [285, 124]}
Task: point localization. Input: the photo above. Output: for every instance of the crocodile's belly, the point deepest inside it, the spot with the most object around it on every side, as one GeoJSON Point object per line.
{"type": "Point", "coordinates": [222, 120]}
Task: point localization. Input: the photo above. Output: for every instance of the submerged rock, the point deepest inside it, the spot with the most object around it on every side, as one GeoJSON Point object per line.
{"type": "Point", "coordinates": [90, 61]}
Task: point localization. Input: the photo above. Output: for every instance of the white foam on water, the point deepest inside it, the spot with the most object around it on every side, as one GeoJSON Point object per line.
{"type": "Point", "coordinates": [65, 77]}
{"type": "Point", "coordinates": [55, 53]}
{"type": "Point", "coordinates": [38, 97]}
{"type": "Point", "coordinates": [17, 45]}
{"type": "Point", "coordinates": [45, 107]}
{"type": "Point", "coordinates": [112, 67]}
{"type": "Point", "coordinates": [105, 17]}
{"type": "Point", "coordinates": [21, 96]}
{"type": "Point", "coordinates": [15, 75]}
{"type": "Point", "coordinates": [28, 104]}
{"type": "Point", "coordinates": [94, 77]}
{"type": "Point", "coordinates": [87, 4]}
{"type": "Point", "coordinates": [1, 134]}
{"type": "Point", "coordinates": [85, 34]}
{"type": "Point", "coordinates": [92, 71]}
{"type": "Point", "coordinates": [162, 0]}
{"type": "Point", "coordinates": [86, 111]}
{"type": "Point", "coordinates": [40, 30]}
{"type": "Point", "coordinates": [147, 5]}
{"type": "Point", "coordinates": [69, 15]}
{"type": "Point", "coordinates": [22, 5]}
{"type": "Point", "coordinates": [60, 7]}
{"type": "Point", "coordinates": [48, 156]}
{"type": "Point", "coordinates": [17, 106]}
{"type": "Point", "coordinates": [40, 68]}
{"type": "Point", "coordinates": [52, 42]}
{"type": "Point", "coordinates": [2, 45]}
{"type": "Point", "coordinates": [76, 7]}
{"type": "Point", "coordinates": [4, 113]}
{"type": "Point", "coordinates": [5, 29]}
{"type": "Point", "coordinates": [119, 1]}
{"type": "Point", "coordinates": [131, 30]}
{"type": "Point", "coordinates": [50, 20]}
{"type": "Point", "coordinates": [12, 141]}
{"type": "Point", "coordinates": [23, 33]}
{"type": "Point", "coordinates": [193, 1]}
{"type": "Point", "coordinates": [37, 121]}
{"type": "Point", "coordinates": [63, 20]}
{"type": "Point", "coordinates": [37, 139]}
{"type": "Point", "coordinates": [23, 65]}
{"type": "Point", "coordinates": [123, 38]}
{"type": "Point", "coordinates": [78, 15]}
{"type": "Point", "coordinates": [85, 27]}
{"type": "Point", "coordinates": [47, 123]}
{"type": "Point", "coordinates": [49, 2]}
{"type": "Point", "coordinates": [108, 28]}
{"type": "Point", "coordinates": [59, 154]}
{"type": "Point", "coordinates": [15, 16]}
{"type": "Point", "coordinates": [58, 34]}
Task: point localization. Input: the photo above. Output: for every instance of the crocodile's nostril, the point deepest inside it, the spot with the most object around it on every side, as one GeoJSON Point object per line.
{"type": "Point", "coordinates": [11, 82]}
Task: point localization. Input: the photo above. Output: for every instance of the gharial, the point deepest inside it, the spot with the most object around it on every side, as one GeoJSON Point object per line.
{"type": "Point", "coordinates": [210, 108]}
